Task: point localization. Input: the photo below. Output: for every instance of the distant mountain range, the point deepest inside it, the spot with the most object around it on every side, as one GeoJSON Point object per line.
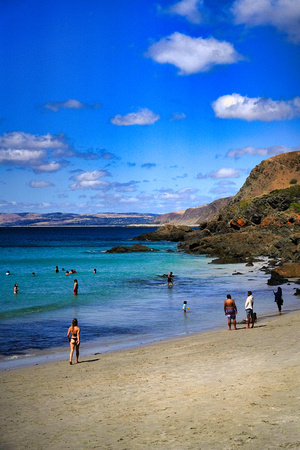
{"type": "Point", "coordinates": [65, 219]}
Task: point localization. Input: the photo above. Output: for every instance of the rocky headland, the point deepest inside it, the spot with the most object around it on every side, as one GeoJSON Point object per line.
{"type": "Point", "coordinates": [263, 219]}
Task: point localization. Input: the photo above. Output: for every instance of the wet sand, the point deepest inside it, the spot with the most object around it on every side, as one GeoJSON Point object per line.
{"type": "Point", "coordinates": [214, 390]}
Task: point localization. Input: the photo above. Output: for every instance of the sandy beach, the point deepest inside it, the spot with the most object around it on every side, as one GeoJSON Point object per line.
{"type": "Point", "coordinates": [214, 390]}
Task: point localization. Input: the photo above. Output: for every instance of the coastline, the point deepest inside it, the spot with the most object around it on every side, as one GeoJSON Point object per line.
{"type": "Point", "coordinates": [211, 390]}
{"type": "Point", "coordinates": [92, 348]}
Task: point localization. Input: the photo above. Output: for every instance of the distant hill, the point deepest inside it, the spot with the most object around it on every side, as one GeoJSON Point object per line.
{"type": "Point", "coordinates": [65, 219]}
{"type": "Point", "coordinates": [193, 216]}
{"type": "Point", "coordinates": [278, 172]}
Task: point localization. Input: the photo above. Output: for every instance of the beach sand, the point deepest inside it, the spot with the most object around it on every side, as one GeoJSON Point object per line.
{"type": "Point", "coordinates": [214, 390]}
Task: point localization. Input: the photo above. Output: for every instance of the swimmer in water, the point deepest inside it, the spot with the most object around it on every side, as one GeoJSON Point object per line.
{"type": "Point", "coordinates": [75, 290]}
{"type": "Point", "coordinates": [16, 289]}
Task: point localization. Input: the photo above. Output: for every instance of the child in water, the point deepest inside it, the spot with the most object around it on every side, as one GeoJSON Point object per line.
{"type": "Point", "coordinates": [184, 306]}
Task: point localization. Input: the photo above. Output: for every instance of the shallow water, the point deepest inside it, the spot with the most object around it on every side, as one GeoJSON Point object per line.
{"type": "Point", "coordinates": [126, 303]}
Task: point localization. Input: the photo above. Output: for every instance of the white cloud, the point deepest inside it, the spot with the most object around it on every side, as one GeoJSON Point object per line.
{"type": "Point", "coordinates": [181, 194]}
{"type": "Point", "coordinates": [52, 166]}
{"type": "Point", "coordinates": [188, 9]}
{"type": "Point", "coordinates": [40, 184]}
{"type": "Point", "coordinates": [264, 151]}
{"type": "Point", "coordinates": [236, 106]}
{"type": "Point", "coordinates": [143, 117]}
{"type": "Point", "coordinates": [225, 173]}
{"type": "Point", "coordinates": [21, 140]}
{"type": "Point", "coordinates": [90, 180]}
{"type": "Point", "coordinates": [69, 104]}
{"type": "Point", "coordinates": [282, 14]}
{"type": "Point", "coordinates": [26, 150]}
{"type": "Point", "coordinates": [192, 55]}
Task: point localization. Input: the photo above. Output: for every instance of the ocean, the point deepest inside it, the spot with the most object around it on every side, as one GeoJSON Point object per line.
{"type": "Point", "coordinates": [126, 303]}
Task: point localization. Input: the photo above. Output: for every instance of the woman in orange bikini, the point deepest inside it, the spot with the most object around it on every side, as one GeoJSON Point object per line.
{"type": "Point", "coordinates": [74, 340]}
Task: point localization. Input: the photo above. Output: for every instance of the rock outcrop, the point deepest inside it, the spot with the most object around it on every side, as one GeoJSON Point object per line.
{"type": "Point", "coordinates": [251, 226]}
{"type": "Point", "coordinates": [133, 248]}
{"type": "Point", "coordinates": [169, 233]}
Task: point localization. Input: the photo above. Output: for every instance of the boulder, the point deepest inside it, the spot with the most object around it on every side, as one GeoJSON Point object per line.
{"type": "Point", "coordinates": [288, 270]}
{"type": "Point", "coordinates": [133, 248]}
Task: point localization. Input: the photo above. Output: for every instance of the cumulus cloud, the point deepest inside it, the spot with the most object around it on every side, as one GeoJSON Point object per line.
{"type": "Point", "coordinates": [186, 194]}
{"type": "Point", "coordinates": [26, 150]}
{"type": "Point", "coordinates": [69, 104]}
{"type": "Point", "coordinates": [190, 9]}
{"type": "Point", "coordinates": [261, 151]}
{"type": "Point", "coordinates": [40, 184]}
{"type": "Point", "coordinates": [192, 55]}
{"type": "Point", "coordinates": [236, 106]}
{"type": "Point", "coordinates": [225, 173]}
{"type": "Point", "coordinates": [281, 14]}
{"type": "Point", "coordinates": [221, 173]}
{"type": "Point", "coordinates": [90, 180]}
{"type": "Point", "coordinates": [143, 117]}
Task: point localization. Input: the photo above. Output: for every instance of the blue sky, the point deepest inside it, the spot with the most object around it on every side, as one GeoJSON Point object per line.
{"type": "Point", "coordinates": [142, 106]}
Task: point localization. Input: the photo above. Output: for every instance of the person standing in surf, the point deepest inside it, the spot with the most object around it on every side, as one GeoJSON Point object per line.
{"type": "Point", "coordinates": [75, 290]}
{"type": "Point", "coordinates": [170, 279]}
{"type": "Point", "coordinates": [278, 299]}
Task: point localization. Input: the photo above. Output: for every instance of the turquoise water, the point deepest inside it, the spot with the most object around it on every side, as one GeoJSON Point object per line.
{"type": "Point", "coordinates": [126, 303]}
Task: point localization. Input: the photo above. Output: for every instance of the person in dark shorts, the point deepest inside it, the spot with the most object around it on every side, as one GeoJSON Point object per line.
{"type": "Point", "coordinates": [74, 339]}
{"type": "Point", "coordinates": [230, 310]}
{"type": "Point", "coordinates": [170, 279]}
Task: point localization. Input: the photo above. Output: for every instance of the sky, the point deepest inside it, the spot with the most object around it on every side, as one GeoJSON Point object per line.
{"type": "Point", "coordinates": [142, 106]}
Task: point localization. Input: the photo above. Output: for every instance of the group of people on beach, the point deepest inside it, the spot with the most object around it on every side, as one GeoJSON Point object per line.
{"type": "Point", "coordinates": [230, 308]}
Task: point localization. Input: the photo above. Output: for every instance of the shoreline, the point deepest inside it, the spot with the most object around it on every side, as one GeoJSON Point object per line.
{"type": "Point", "coordinates": [211, 390]}
{"type": "Point", "coordinates": [93, 348]}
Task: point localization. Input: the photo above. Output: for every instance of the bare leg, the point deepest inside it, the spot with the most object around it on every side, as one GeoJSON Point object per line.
{"type": "Point", "coordinates": [234, 324]}
{"type": "Point", "coordinates": [77, 353]}
{"type": "Point", "coordinates": [72, 346]}
{"type": "Point", "coordinates": [248, 320]}
{"type": "Point", "coordinates": [252, 319]}
{"type": "Point", "coordinates": [229, 324]}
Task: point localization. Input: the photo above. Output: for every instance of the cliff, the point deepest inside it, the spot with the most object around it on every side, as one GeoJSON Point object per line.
{"type": "Point", "coordinates": [278, 172]}
{"type": "Point", "coordinates": [193, 216]}
{"type": "Point", "coordinates": [263, 219]}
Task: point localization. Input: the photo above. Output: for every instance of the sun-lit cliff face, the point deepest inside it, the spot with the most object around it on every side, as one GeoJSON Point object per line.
{"type": "Point", "coordinates": [279, 172]}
